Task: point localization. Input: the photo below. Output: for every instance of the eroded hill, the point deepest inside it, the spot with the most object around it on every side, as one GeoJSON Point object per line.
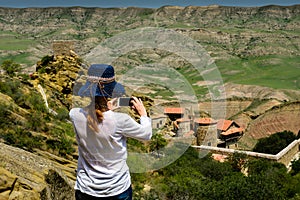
{"type": "Point", "coordinates": [224, 31]}
{"type": "Point", "coordinates": [232, 36]}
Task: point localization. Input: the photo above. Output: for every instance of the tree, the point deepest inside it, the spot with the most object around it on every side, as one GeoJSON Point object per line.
{"type": "Point", "coordinates": [275, 143]}
{"type": "Point", "coordinates": [10, 67]}
{"type": "Point", "coordinates": [157, 142]}
{"type": "Point", "coordinates": [295, 167]}
{"type": "Point", "coordinates": [264, 166]}
{"type": "Point", "coordinates": [238, 161]}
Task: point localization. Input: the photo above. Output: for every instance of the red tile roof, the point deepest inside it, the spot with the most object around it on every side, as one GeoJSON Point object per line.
{"type": "Point", "coordinates": [232, 131]}
{"type": "Point", "coordinates": [174, 111]}
{"type": "Point", "coordinates": [183, 120]}
{"type": "Point", "coordinates": [224, 124]}
{"type": "Point", "coordinates": [205, 121]}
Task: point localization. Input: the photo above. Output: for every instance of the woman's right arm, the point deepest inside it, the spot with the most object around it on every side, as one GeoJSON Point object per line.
{"type": "Point", "coordinates": [139, 106]}
{"type": "Point", "coordinates": [130, 128]}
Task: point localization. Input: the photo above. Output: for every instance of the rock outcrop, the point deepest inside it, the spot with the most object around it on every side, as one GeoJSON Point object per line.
{"type": "Point", "coordinates": [57, 75]}
{"type": "Point", "coordinates": [25, 175]}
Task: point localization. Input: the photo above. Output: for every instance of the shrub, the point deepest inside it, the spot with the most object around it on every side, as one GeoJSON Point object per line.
{"type": "Point", "coordinates": [36, 121]}
{"type": "Point", "coordinates": [157, 142]}
{"type": "Point", "coordinates": [10, 67]}
{"type": "Point", "coordinates": [295, 167]}
{"type": "Point", "coordinates": [62, 114]}
{"type": "Point", "coordinates": [4, 116]}
{"type": "Point", "coordinates": [63, 146]}
{"type": "Point", "coordinates": [23, 139]}
{"type": "Point", "coordinates": [47, 59]}
{"type": "Point", "coordinates": [11, 88]}
{"type": "Point", "coordinates": [275, 143]}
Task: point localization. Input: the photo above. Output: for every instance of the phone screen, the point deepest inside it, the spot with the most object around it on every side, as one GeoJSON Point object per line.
{"type": "Point", "coordinates": [125, 101]}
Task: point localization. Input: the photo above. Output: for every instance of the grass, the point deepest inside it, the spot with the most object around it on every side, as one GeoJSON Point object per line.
{"type": "Point", "coordinates": [11, 42]}
{"type": "Point", "coordinates": [19, 58]}
{"type": "Point", "coordinates": [276, 72]}
{"type": "Point", "coordinates": [193, 76]}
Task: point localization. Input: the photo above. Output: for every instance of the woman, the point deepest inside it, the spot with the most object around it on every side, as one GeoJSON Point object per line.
{"type": "Point", "coordinates": [101, 134]}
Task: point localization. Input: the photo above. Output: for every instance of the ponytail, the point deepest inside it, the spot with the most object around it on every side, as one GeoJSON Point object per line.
{"type": "Point", "coordinates": [95, 113]}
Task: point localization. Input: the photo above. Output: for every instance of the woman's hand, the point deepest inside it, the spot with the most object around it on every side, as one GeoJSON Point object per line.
{"type": "Point", "coordinates": [139, 106]}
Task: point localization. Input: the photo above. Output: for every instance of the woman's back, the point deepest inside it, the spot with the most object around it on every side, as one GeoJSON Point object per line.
{"type": "Point", "coordinates": [103, 154]}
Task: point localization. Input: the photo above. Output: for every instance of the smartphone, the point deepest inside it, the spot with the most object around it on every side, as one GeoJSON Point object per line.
{"type": "Point", "coordinates": [125, 101]}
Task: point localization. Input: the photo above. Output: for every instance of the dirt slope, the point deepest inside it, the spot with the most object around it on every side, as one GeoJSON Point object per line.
{"type": "Point", "coordinates": [280, 118]}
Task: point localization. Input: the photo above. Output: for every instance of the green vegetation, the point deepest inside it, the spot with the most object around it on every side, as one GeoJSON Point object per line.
{"type": "Point", "coordinates": [157, 142]}
{"type": "Point", "coordinates": [25, 121]}
{"type": "Point", "coordinates": [18, 58]}
{"type": "Point", "coordinates": [10, 67]}
{"type": "Point", "coordinates": [255, 103]}
{"type": "Point", "coordinates": [295, 167]}
{"type": "Point", "coordinates": [277, 72]}
{"type": "Point", "coordinates": [275, 143]}
{"type": "Point", "coordinates": [191, 177]}
{"type": "Point", "coordinates": [13, 42]}
{"type": "Point", "coordinates": [193, 76]}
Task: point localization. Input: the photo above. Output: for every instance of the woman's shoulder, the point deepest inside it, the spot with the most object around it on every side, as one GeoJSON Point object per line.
{"type": "Point", "coordinates": [75, 112]}
{"type": "Point", "coordinates": [120, 116]}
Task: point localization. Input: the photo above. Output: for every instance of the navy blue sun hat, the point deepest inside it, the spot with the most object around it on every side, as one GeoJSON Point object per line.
{"type": "Point", "coordinates": [101, 83]}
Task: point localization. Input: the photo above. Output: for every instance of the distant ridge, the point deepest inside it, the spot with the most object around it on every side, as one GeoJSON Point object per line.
{"type": "Point", "coordinates": [175, 6]}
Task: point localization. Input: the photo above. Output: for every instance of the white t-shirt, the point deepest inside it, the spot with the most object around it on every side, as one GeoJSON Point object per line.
{"type": "Point", "coordinates": [102, 169]}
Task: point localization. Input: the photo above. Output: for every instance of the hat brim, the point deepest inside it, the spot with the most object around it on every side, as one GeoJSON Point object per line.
{"type": "Point", "coordinates": [110, 90]}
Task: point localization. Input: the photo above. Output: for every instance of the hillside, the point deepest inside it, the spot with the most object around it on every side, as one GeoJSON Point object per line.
{"type": "Point", "coordinates": [224, 31]}
{"type": "Point", "coordinates": [248, 72]}
{"type": "Point", "coordinates": [277, 119]}
{"type": "Point", "coordinates": [38, 159]}
{"type": "Point", "coordinates": [241, 41]}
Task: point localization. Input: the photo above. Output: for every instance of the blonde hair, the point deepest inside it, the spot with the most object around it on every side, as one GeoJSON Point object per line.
{"type": "Point", "coordinates": [95, 113]}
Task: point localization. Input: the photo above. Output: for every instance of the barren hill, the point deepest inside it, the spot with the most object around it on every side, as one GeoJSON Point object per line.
{"type": "Point", "coordinates": [224, 31]}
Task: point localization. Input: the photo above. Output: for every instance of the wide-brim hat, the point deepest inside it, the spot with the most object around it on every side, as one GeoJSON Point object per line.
{"type": "Point", "coordinates": [101, 82]}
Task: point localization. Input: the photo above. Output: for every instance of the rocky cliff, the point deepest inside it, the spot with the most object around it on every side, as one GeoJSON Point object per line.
{"type": "Point", "coordinates": [57, 74]}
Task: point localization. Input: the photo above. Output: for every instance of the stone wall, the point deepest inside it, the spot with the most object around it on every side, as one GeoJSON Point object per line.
{"type": "Point", "coordinates": [61, 48]}
{"type": "Point", "coordinates": [285, 156]}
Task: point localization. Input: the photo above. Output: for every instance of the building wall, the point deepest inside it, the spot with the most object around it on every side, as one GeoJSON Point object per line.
{"type": "Point", "coordinates": [184, 127]}
{"type": "Point", "coordinates": [207, 135]}
{"type": "Point", "coordinates": [158, 122]}
{"type": "Point", "coordinates": [62, 47]}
